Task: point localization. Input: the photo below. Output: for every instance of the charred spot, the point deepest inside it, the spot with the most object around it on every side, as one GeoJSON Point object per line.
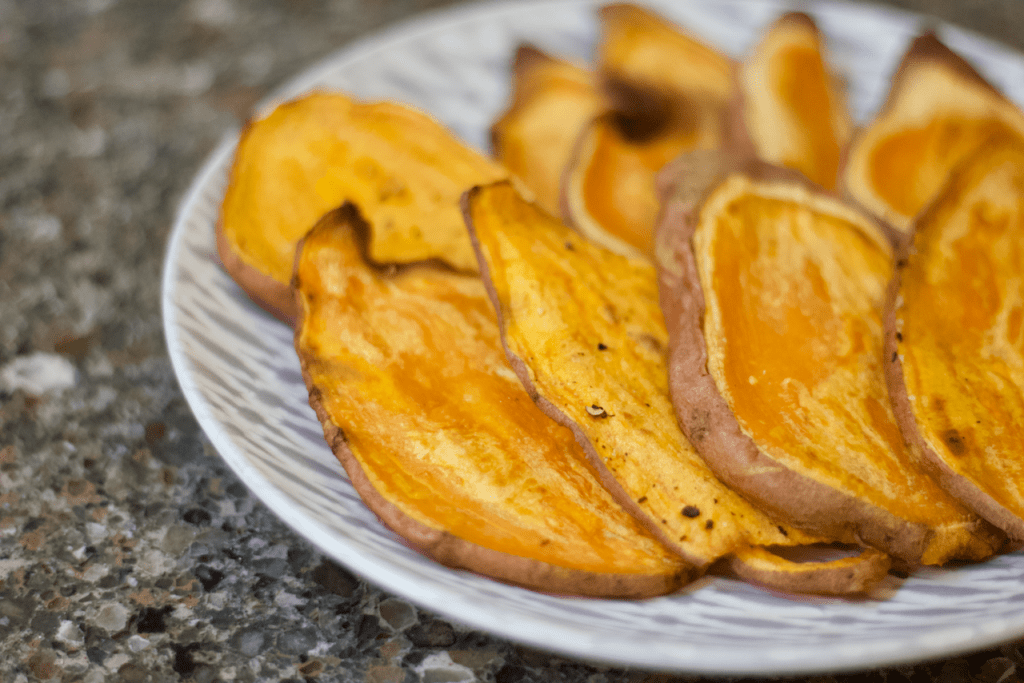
{"type": "Point", "coordinates": [894, 356]}
{"type": "Point", "coordinates": [597, 411]}
{"type": "Point", "coordinates": [955, 441]}
{"type": "Point", "coordinates": [569, 246]}
{"type": "Point", "coordinates": [899, 336]}
{"type": "Point", "coordinates": [602, 347]}
{"type": "Point", "coordinates": [642, 500]}
{"type": "Point", "coordinates": [709, 525]}
{"type": "Point", "coordinates": [782, 531]}
{"type": "Point", "coordinates": [691, 511]}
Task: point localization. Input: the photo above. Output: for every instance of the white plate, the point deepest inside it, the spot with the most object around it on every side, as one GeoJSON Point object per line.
{"type": "Point", "coordinates": [238, 370]}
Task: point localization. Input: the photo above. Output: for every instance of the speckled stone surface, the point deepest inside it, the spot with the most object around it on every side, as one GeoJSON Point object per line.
{"type": "Point", "coordinates": [128, 551]}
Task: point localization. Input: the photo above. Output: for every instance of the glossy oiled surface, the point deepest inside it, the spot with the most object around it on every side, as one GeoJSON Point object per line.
{"type": "Point", "coordinates": [586, 323]}
{"type": "Point", "coordinates": [794, 108]}
{"type": "Point", "coordinates": [794, 286]}
{"type": "Point", "coordinates": [960, 325]}
{"type": "Point", "coordinates": [308, 156]}
{"type": "Point", "coordinates": [410, 367]}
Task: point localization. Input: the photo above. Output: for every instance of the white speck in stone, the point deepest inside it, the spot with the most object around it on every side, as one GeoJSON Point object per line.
{"type": "Point", "coordinates": [78, 553]}
{"type": "Point", "coordinates": [216, 13]}
{"type": "Point", "coordinates": [257, 543]}
{"type": "Point", "coordinates": [250, 643]}
{"type": "Point", "coordinates": [112, 617]}
{"type": "Point", "coordinates": [132, 581]}
{"type": "Point", "coordinates": [88, 143]}
{"type": "Point", "coordinates": [8, 566]}
{"type": "Point", "coordinates": [95, 676]}
{"type": "Point", "coordinates": [116, 661]}
{"type": "Point", "coordinates": [217, 600]}
{"type": "Point", "coordinates": [443, 668]}
{"type": "Point", "coordinates": [137, 643]}
{"type": "Point", "coordinates": [56, 84]}
{"type": "Point", "coordinates": [228, 673]}
{"type": "Point", "coordinates": [69, 633]}
{"type": "Point", "coordinates": [99, 366]}
{"type": "Point", "coordinates": [104, 397]}
{"type": "Point", "coordinates": [97, 532]}
{"type": "Point", "coordinates": [155, 563]}
{"type": "Point", "coordinates": [95, 572]}
{"type": "Point", "coordinates": [38, 373]}
{"type": "Point", "coordinates": [38, 226]}
{"type": "Point", "coordinates": [286, 599]}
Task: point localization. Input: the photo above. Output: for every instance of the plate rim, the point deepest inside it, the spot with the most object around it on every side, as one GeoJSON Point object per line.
{"type": "Point", "coordinates": [449, 603]}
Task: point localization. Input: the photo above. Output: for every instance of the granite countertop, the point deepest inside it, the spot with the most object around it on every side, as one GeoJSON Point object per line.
{"type": "Point", "coordinates": [128, 550]}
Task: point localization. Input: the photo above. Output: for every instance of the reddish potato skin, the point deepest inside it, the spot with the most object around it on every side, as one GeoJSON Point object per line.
{"type": "Point", "coordinates": [703, 412]}
{"type": "Point", "coordinates": [958, 486]}
{"type": "Point", "coordinates": [272, 296]}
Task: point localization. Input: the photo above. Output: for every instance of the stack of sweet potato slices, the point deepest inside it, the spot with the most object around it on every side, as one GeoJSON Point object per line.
{"type": "Point", "coordinates": [601, 373]}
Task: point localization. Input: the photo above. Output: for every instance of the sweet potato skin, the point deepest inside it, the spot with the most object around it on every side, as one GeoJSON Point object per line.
{"type": "Point", "coordinates": [709, 422]}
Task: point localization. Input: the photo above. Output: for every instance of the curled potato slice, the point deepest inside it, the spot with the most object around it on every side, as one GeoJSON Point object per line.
{"type": "Point", "coordinates": [406, 372]}
{"type": "Point", "coordinates": [307, 156]}
{"type": "Point", "coordinates": [583, 331]}
{"type": "Point", "coordinates": [552, 99]}
{"type": "Point", "coordinates": [955, 347]}
{"type": "Point", "coordinates": [794, 108]}
{"type": "Point", "coordinates": [938, 111]}
{"type": "Point", "coordinates": [773, 294]}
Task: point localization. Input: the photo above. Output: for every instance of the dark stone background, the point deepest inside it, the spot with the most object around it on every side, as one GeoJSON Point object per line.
{"type": "Point", "coordinates": [128, 551]}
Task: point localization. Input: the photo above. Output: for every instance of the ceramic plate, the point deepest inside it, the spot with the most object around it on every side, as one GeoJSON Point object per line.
{"type": "Point", "coordinates": [239, 372]}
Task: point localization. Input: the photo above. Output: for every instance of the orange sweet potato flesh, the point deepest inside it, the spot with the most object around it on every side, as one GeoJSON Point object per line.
{"type": "Point", "coordinates": [670, 93]}
{"type": "Point", "coordinates": [552, 99]}
{"type": "Point", "coordinates": [308, 156]}
{"type": "Point", "coordinates": [773, 291]}
{"type": "Point", "coordinates": [406, 372]}
{"type": "Point", "coordinates": [955, 352]}
{"type": "Point", "coordinates": [794, 109]}
{"type": "Point", "coordinates": [939, 110]}
{"type": "Point", "coordinates": [583, 330]}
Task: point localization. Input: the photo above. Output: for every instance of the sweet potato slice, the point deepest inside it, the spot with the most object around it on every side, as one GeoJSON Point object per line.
{"type": "Point", "coordinates": [583, 330]}
{"type": "Point", "coordinates": [773, 292]}
{"type": "Point", "coordinates": [307, 156]}
{"type": "Point", "coordinates": [406, 372]}
{"type": "Point", "coordinates": [552, 99]}
{"type": "Point", "coordinates": [938, 111]}
{"type": "Point", "coordinates": [794, 108]}
{"type": "Point", "coordinates": [955, 346]}
{"type": "Point", "coordinates": [641, 51]}
{"type": "Point", "coordinates": [669, 93]}
{"type": "Point", "coordinates": [609, 187]}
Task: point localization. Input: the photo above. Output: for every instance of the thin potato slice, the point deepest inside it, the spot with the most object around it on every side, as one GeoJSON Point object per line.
{"type": "Point", "coordinates": [955, 346]}
{"type": "Point", "coordinates": [308, 156]}
{"type": "Point", "coordinates": [406, 372]}
{"type": "Point", "coordinates": [610, 193]}
{"type": "Point", "coordinates": [583, 330]}
{"type": "Point", "coordinates": [773, 293]}
{"type": "Point", "coordinates": [794, 108]}
{"type": "Point", "coordinates": [938, 111]}
{"type": "Point", "coordinates": [670, 93]}
{"type": "Point", "coordinates": [552, 99]}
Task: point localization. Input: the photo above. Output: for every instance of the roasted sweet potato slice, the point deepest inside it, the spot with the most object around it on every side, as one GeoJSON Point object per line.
{"type": "Point", "coordinates": [583, 330]}
{"type": "Point", "coordinates": [938, 111]}
{"type": "Point", "coordinates": [309, 155]}
{"type": "Point", "coordinates": [552, 99]}
{"type": "Point", "coordinates": [955, 345]}
{"type": "Point", "coordinates": [406, 372]}
{"type": "Point", "coordinates": [641, 51]}
{"type": "Point", "coordinates": [669, 93]}
{"type": "Point", "coordinates": [772, 292]}
{"type": "Point", "coordinates": [793, 106]}
{"type": "Point", "coordinates": [609, 187]}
